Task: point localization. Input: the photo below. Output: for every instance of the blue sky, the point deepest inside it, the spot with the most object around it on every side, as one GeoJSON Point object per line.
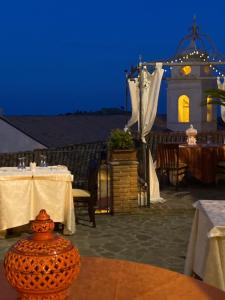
{"type": "Point", "coordinates": [63, 56]}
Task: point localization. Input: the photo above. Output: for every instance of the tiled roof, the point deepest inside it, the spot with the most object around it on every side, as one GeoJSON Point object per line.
{"type": "Point", "coordinates": [72, 140]}
{"type": "Point", "coordinates": [75, 157]}
{"type": "Point", "coordinates": [57, 131]}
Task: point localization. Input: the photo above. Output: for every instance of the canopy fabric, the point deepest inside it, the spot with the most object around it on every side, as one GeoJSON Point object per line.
{"type": "Point", "coordinates": [221, 86]}
{"type": "Point", "coordinates": [150, 86]}
{"type": "Point", "coordinates": [150, 94]}
{"type": "Point", "coordinates": [134, 94]}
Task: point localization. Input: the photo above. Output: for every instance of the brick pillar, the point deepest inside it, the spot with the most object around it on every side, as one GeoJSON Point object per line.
{"type": "Point", "coordinates": [124, 185]}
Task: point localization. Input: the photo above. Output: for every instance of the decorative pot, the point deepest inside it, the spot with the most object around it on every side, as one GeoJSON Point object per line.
{"type": "Point", "coordinates": [44, 265]}
{"type": "Point", "coordinates": [191, 134]}
{"type": "Point", "coordinates": [128, 154]}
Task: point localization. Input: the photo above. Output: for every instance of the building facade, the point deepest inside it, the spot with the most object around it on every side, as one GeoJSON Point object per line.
{"type": "Point", "coordinates": [186, 91]}
{"type": "Point", "coordinates": [187, 87]}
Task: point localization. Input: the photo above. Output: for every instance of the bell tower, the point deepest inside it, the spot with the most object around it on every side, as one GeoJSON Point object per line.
{"type": "Point", "coordinates": [187, 86]}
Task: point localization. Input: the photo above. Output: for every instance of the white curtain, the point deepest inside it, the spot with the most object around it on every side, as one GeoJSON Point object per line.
{"type": "Point", "coordinates": [134, 94]}
{"type": "Point", "coordinates": [150, 86]}
{"type": "Point", "coordinates": [221, 86]}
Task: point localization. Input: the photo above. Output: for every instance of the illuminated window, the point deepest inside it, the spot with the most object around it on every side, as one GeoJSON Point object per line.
{"type": "Point", "coordinates": [206, 69]}
{"type": "Point", "coordinates": [186, 70]}
{"type": "Point", "coordinates": [183, 109]}
{"type": "Point", "coordinates": [209, 110]}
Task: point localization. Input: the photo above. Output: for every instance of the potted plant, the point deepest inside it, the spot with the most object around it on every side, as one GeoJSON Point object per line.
{"type": "Point", "coordinates": [121, 145]}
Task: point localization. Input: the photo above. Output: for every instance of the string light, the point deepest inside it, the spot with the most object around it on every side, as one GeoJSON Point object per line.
{"type": "Point", "coordinates": [204, 57]}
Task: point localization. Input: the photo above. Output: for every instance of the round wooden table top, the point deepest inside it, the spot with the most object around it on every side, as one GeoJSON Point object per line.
{"type": "Point", "coordinates": [110, 279]}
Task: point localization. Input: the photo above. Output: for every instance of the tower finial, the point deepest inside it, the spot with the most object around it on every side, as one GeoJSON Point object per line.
{"type": "Point", "coordinates": [194, 19]}
{"type": "Point", "coordinates": [194, 29]}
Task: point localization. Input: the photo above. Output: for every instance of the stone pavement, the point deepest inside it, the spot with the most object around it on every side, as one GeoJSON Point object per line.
{"type": "Point", "coordinates": [157, 235]}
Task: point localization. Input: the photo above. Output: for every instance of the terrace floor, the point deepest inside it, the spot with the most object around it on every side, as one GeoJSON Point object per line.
{"type": "Point", "coordinates": [157, 235]}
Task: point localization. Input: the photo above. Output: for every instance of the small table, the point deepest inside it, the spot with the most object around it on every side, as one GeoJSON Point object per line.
{"type": "Point", "coordinates": [101, 278]}
{"type": "Point", "coordinates": [206, 249]}
{"type": "Point", "coordinates": [23, 193]}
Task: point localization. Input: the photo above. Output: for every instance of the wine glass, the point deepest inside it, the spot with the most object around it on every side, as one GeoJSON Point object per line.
{"type": "Point", "coordinates": [21, 164]}
{"type": "Point", "coordinates": [43, 162]}
{"type": "Point", "coordinates": [209, 139]}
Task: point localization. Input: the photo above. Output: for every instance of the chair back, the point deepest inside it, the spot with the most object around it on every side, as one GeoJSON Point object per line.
{"type": "Point", "coordinates": [93, 169]}
{"type": "Point", "coordinates": [168, 156]}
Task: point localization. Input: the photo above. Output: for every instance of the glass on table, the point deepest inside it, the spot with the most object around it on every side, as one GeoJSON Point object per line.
{"type": "Point", "coordinates": [21, 163]}
{"type": "Point", "coordinates": [43, 162]}
{"type": "Point", "coordinates": [209, 139]}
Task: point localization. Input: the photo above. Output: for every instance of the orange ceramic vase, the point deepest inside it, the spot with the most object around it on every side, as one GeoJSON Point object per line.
{"type": "Point", "coordinates": [44, 265]}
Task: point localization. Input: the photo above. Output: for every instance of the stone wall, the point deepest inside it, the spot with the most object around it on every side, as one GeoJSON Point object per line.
{"type": "Point", "coordinates": [124, 186]}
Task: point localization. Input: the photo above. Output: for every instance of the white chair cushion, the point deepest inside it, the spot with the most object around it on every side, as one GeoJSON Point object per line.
{"type": "Point", "coordinates": [80, 193]}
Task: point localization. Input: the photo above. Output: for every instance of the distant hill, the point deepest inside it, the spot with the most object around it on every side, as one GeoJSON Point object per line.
{"type": "Point", "coordinates": [102, 112]}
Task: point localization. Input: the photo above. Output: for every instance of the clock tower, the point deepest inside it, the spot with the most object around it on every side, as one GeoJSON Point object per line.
{"type": "Point", "coordinates": [187, 86]}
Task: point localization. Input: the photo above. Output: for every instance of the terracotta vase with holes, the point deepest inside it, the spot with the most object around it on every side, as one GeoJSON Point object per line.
{"type": "Point", "coordinates": [44, 265]}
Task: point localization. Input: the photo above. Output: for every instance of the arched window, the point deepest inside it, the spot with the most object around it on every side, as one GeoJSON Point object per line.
{"type": "Point", "coordinates": [183, 109]}
{"type": "Point", "coordinates": [209, 109]}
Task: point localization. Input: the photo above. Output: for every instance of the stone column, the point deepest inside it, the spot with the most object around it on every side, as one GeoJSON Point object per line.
{"type": "Point", "coordinates": [124, 185]}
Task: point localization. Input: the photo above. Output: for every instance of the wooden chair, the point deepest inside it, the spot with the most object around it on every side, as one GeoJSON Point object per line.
{"type": "Point", "coordinates": [168, 162]}
{"type": "Point", "coordinates": [88, 198]}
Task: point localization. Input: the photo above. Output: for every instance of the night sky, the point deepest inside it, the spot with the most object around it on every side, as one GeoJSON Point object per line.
{"type": "Point", "coordinates": [63, 56]}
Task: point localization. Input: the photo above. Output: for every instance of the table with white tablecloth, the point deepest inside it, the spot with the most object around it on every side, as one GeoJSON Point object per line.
{"type": "Point", "coordinates": [23, 193]}
{"type": "Point", "coordinates": [206, 249]}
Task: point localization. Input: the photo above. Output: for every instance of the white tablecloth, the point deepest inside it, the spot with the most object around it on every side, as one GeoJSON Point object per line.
{"type": "Point", "coordinates": [206, 249]}
{"type": "Point", "coordinates": [23, 193]}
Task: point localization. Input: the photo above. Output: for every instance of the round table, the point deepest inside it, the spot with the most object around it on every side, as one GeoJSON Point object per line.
{"type": "Point", "coordinates": [201, 160]}
{"type": "Point", "coordinates": [110, 279]}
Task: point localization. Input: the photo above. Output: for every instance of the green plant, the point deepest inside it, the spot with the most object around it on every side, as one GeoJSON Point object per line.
{"type": "Point", "coordinates": [119, 139]}
{"type": "Point", "coordinates": [218, 97]}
